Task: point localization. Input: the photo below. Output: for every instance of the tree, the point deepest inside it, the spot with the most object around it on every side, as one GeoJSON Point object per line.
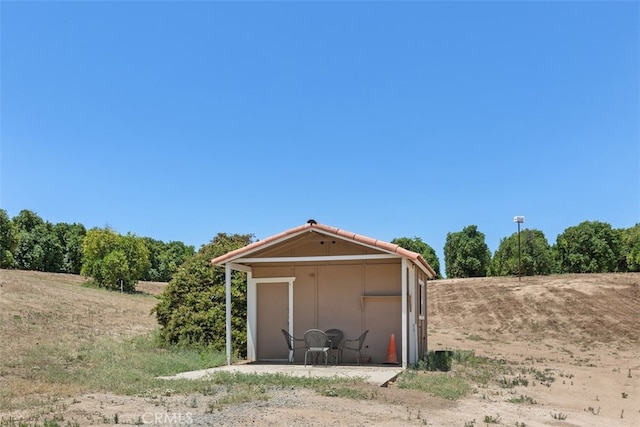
{"type": "Point", "coordinates": [417, 245]}
{"type": "Point", "coordinates": [38, 245]}
{"type": "Point", "coordinates": [70, 237]}
{"type": "Point", "coordinates": [174, 254]}
{"type": "Point", "coordinates": [165, 258]}
{"type": "Point", "coordinates": [96, 245]}
{"type": "Point", "coordinates": [114, 261]}
{"type": "Point", "coordinates": [191, 310]}
{"type": "Point", "coordinates": [466, 254]}
{"type": "Point", "coordinates": [8, 240]}
{"type": "Point", "coordinates": [536, 257]}
{"type": "Point", "coordinates": [631, 248]}
{"type": "Point", "coordinates": [589, 247]}
{"type": "Point", "coordinates": [155, 248]}
{"type": "Point", "coordinates": [27, 220]}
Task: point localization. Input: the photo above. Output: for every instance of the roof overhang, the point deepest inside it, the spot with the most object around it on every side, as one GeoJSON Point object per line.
{"type": "Point", "coordinates": [243, 256]}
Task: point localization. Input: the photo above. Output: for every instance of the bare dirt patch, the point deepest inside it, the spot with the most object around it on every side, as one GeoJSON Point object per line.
{"type": "Point", "coordinates": [573, 337]}
{"type": "Point", "coordinates": [582, 331]}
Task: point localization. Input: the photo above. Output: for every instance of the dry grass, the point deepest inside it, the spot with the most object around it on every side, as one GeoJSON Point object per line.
{"type": "Point", "coordinates": [60, 340]}
{"type": "Point", "coordinates": [47, 319]}
{"type": "Point", "coordinates": [574, 338]}
{"type": "Point", "coordinates": [576, 308]}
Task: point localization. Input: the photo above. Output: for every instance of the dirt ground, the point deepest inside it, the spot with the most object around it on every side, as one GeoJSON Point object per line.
{"type": "Point", "coordinates": [581, 331]}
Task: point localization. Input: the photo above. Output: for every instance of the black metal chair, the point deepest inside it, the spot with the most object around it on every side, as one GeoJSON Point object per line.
{"type": "Point", "coordinates": [354, 345]}
{"type": "Point", "coordinates": [335, 337]}
{"type": "Point", "coordinates": [291, 344]}
{"type": "Point", "coordinates": [316, 342]}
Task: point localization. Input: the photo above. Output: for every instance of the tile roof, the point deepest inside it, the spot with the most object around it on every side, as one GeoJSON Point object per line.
{"type": "Point", "coordinates": [326, 229]}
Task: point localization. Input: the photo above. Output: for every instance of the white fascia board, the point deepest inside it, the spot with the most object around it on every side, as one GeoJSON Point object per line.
{"type": "Point", "coordinates": [240, 267]}
{"type": "Point", "coordinates": [319, 258]}
{"type": "Point", "coordinates": [285, 279]}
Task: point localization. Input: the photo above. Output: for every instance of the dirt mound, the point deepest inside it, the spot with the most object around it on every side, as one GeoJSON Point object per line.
{"type": "Point", "coordinates": [579, 308]}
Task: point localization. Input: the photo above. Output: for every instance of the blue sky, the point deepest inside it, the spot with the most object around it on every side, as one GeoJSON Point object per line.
{"type": "Point", "coordinates": [179, 120]}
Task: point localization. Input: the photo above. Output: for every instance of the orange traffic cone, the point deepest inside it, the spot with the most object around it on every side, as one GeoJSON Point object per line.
{"type": "Point", "coordinates": [392, 357]}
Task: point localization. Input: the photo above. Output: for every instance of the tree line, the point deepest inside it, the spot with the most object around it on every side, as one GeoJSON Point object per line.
{"type": "Point", "coordinates": [589, 247]}
{"type": "Point", "coordinates": [28, 242]}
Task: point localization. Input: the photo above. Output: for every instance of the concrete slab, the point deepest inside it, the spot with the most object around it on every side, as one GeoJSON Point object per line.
{"type": "Point", "coordinates": [375, 374]}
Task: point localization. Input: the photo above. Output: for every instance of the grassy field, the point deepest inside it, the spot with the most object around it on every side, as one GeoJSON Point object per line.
{"type": "Point", "coordinates": [544, 351]}
{"type": "Point", "coordinates": [62, 337]}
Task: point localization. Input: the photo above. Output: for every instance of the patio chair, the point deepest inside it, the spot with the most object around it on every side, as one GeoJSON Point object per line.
{"type": "Point", "coordinates": [335, 336]}
{"type": "Point", "coordinates": [316, 342]}
{"type": "Point", "coordinates": [291, 344]}
{"type": "Point", "coordinates": [354, 345]}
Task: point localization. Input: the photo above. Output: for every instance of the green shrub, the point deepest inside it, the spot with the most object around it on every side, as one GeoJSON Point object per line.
{"type": "Point", "coordinates": [439, 360]}
{"type": "Point", "coordinates": [191, 310]}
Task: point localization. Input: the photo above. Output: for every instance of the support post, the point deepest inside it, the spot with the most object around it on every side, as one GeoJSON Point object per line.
{"type": "Point", "coordinates": [404, 301]}
{"type": "Point", "coordinates": [519, 256]}
{"type": "Point", "coordinates": [519, 219]}
{"type": "Point", "coordinates": [227, 277]}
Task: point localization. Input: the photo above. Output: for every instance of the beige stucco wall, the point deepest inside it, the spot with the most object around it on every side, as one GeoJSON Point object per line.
{"type": "Point", "coordinates": [349, 295]}
{"type": "Point", "coordinates": [352, 297]}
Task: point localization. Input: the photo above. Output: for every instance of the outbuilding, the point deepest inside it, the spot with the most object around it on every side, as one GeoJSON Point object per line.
{"type": "Point", "coordinates": [323, 277]}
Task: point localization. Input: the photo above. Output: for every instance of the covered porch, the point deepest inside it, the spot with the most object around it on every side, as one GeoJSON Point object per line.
{"type": "Point", "coordinates": [320, 277]}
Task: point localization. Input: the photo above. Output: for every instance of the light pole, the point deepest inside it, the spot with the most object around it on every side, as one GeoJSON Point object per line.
{"type": "Point", "coordinates": [519, 220]}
